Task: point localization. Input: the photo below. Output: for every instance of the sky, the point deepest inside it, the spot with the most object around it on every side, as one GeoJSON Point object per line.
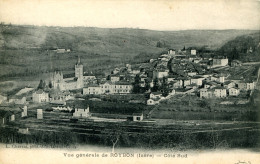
{"type": "Point", "coordinates": [143, 14]}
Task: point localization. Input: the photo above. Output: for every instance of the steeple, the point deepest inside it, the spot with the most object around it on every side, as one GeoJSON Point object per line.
{"type": "Point", "coordinates": [78, 63]}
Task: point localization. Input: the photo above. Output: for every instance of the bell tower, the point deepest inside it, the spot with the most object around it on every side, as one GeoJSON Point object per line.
{"type": "Point", "coordinates": [79, 69]}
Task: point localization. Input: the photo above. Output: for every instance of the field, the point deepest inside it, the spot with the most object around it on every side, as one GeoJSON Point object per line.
{"type": "Point", "coordinates": [57, 129]}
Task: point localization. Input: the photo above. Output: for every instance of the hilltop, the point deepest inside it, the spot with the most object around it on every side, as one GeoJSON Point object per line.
{"type": "Point", "coordinates": [28, 50]}
{"type": "Point", "coordinates": [245, 48]}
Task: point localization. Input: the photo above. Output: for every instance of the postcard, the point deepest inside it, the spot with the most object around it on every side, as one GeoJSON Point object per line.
{"type": "Point", "coordinates": [146, 81]}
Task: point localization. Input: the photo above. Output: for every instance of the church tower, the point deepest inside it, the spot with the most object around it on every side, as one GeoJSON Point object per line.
{"type": "Point", "coordinates": [79, 73]}
{"type": "Point", "coordinates": [79, 69]}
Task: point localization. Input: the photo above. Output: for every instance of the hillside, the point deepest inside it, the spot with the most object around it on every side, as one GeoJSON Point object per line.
{"type": "Point", "coordinates": [109, 40]}
{"type": "Point", "coordinates": [27, 50]}
{"type": "Point", "coordinates": [245, 48]}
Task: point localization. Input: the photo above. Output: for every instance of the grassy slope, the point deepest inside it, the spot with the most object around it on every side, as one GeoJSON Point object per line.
{"type": "Point", "coordinates": [23, 48]}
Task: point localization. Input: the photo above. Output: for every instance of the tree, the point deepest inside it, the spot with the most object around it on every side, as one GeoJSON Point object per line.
{"type": "Point", "coordinates": [41, 84]}
{"type": "Point", "coordinates": [114, 135]}
{"type": "Point", "coordinates": [165, 87]}
{"type": "Point", "coordinates": [156, 85]}
{"type": "Point", "coordinates": [50, 84]}
{"type": "Point", "coordinates": [136, 88]}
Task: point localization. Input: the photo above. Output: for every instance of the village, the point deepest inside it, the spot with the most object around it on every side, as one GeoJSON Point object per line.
{"type": "Point", "coordinates": [154, 90]}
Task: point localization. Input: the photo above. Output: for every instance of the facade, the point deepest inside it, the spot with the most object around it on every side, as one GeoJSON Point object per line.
{"type": "Point", "coordinates": [197, 81]}
{"type": "Point", "coordinates": [40, 96]}
{"type": "Point", "coordinates": [81, 112]}
{"type": "Point", "coordinates": [39, 114]}
{"type": "Point", "coordinates": [171, 52]}
{"type": "Point", "coordinates": [246, 85]}
{"type": "Point", "coordinates": [24, 112]}
{"type": "Point", "coordinates": [109, 88]}
{"type": "Point", "coordinates": [233, 92]}
{"type": "Point", "coordinates": [193, 52]}
{"type": "Point", "coordinates": [138, 117]}
{"type": "Point", "coordinates": [92, 90]}
{"type": "Point", "coordinates": [220, 92]}
{"type": "Point", "coordinates": [206, 93]}
{"type": "Point", "coordinates": [220, 62]}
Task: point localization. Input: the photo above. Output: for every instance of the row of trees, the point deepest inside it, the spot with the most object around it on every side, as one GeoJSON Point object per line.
{"type": "Point", "coordinates": [42, 85]}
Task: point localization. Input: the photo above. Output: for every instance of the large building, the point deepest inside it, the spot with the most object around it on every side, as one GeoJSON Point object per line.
{"type": "Point", "coordinates": [77, 82]}
{"type": "Point", "coordinates": [220, 62]}
{"type": "Point", "coordinates": [40, 96]}
{"type": "Point", "coordinates": [81, 112]}
{"type": "Point", "coordinates": [108, 88]}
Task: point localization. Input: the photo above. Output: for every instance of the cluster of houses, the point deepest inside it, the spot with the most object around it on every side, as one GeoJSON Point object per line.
{"type": "Point", "coordinates": [181, 72]}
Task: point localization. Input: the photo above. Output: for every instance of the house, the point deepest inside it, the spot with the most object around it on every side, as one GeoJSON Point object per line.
{"type": "Point", "coordinates": [116, 88]}
{"type": "Point", "coordinates": [178, 84]}
{"type": "Point", "coordinates": [92, 90]}
{"type": "Point", "coordinates": [17, 99]}
{"type": "Point", "coordinates": [171, 52]}
{"type": "Point", "coordinates": [221, 79]}
{"type": "Point", "coordinates": [248, 85]}
{"type": "Point", "coordinates": [40, 96]}
{"type": "Point", "coordinates": [81, 112]}
{"type": "Point", "coordinates": [138, 116]}
{"type": "Point", "coordinates": [206, 93]}
{"type": "Point", "coordinates": [193, 52]}
{"type": "Point", "coordinates": [186, 82]}
{"type": "Point", "coordinates": [114, 78]}
{"type": "Point", "coordinates": [39, 114]}
{"type": "Point", "coordinates": [24, 112]}
{"type": "Point", "coordinates": [220, 62]}
{"type": "Point", "coordinates": [220, 92]}
{"type": "Point", "coordinates": [197, 80]}
{"type": "Point", "coordinates": [61, 50]}
{"type": "Point", "coordinates": [233, 91]}
{"type": "Point", "coordinates": [153, 101]}
{"type": "Point", "coordinates": [235, 63]}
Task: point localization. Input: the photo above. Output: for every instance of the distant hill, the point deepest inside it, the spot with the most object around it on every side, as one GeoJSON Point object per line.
{"type": "Point", "coordinates": [109, 41]}
{"type": "Point", "coordinates": [27, 50]}
{"type": "Point", "coordinates": [245, 48]}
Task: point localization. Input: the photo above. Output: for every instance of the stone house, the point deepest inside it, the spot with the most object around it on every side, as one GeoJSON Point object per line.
{"type": "Point", "coordinates": [40, 96]}
{"type": "Point", "coordinates": [138, 116]}
{"type": "Point", "coordinates": [81, 112]}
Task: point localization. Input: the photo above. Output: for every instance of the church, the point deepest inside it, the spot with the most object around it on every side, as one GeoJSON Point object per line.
{"type": "Point", "coordinates": [77, 82]}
